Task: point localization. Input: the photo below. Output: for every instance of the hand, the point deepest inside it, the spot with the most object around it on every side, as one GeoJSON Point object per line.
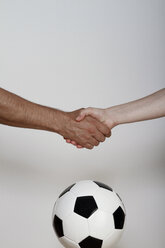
{"type": "Point", "coordinates": [102, 115]}
{"type": "Point", "coordinates": [87, 133]}
{"type": "Point", "coordinates": [99, 114]}
{"type": "Point", "coordinates": [106, 116]}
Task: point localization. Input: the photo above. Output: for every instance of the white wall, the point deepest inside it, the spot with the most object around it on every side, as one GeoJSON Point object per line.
{"type": "Point", "coordinates": [72, 54]}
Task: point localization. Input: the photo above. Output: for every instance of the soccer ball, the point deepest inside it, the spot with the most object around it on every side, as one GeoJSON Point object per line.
{"type": "Point", "coordinates": [88, 214]}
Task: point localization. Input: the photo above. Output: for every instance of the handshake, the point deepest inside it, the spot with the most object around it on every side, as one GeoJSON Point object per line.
{"type": "Point", "coordinates": [85, 128]}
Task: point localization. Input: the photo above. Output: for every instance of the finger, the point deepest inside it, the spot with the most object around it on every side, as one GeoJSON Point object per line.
{"type": "Point", "coordinates": [68, 140]}
{"type": "Point", "coordinates": [88, 146]}
{"type": "Point", "coordinates": [93, 141]}
{"type": "Point", "coordinates": [78, 146]}
{"type": "Point", "coordinates": [103, 129]}
{"type": "Point", "coordinates": [109, 135]}
{"type": "Point", "coordinates": [83, 113]}
{"type": "Point", "coordinates": [99, 136]}
{"type": "Point", "coordinates": [81, 117]}
{"type": "Point", "coordinates": [73, 143]}
{"type": "Point", "coordinates": [96, 142]}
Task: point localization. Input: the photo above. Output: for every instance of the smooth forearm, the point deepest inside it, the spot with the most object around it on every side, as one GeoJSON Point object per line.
{"type": "Point", "coordinates": [149, 107]}
{"type": "Point", "coordinates": [16, 111]}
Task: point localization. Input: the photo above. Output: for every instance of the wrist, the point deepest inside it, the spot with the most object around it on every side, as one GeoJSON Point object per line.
{"type": "Point", "coordinates": [112, 116]}
{"type": "Point", "coordinates": [57, 122]}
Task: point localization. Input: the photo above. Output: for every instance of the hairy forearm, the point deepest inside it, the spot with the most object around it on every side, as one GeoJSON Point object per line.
{"type": "Point", "coordinates": [16, 111]}
{"type": "Point", "coordinates": [149, 107]}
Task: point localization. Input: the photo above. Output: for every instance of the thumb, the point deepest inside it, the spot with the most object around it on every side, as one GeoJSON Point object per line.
{"type": "Point", "coordinates": [83, 113]}
{"type": "Point", "coordinates": [80, 117]}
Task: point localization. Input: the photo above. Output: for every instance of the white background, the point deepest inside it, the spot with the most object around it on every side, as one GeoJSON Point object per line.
{"type": "Point", "coordinates": [78, 53]}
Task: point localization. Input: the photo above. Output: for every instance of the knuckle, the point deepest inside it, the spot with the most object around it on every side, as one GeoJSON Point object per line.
{"type": "Point", "coordinates": [89, 108]}
{"type": "Point", "coordinates": [91, 130]}
{"type": "Point", "coordinates": [90, 147]}
{"type": "Point", "coordinates": [97, 143]}
{"type": "Point", "coordinates": [91, 141]}
{"type": "Point", "coordinates": [108, 131]}
{"type": "Point", "coordinates": [108, 134]}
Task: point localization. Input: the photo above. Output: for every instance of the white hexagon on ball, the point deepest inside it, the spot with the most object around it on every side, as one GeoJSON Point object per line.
{"type": "Point", "coordinates": [68, 243]}
{"type": "Point", "coordinates": [101, 224]}
{"type": "Point", "coordinates": [85, 187]}
{"type": "Point", "coordinates": [64, 205]}
{"type": "Point", "coordinates": [75, 227]}
{"type": "Point", "coordinates": [111, 239]}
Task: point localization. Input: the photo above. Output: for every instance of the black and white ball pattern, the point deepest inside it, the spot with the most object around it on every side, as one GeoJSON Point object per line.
{"type": "Point", "coordinates": [88, 214]}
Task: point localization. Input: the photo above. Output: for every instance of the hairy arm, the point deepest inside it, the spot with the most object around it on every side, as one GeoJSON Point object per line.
{"type": "Point", "coordinates": [19, 112]}
{"type": "Point", "coordinates": [16, 111]}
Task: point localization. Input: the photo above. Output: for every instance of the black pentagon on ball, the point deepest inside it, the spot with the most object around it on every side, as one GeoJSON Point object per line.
{"type": "Point", "coordinates": [66, 190]}
{"type": "Point", "coordinates": [102, 185]}
{"type": "Point", "coordinates": [58, 226]}
{"type": "Point", "coordinates": [119, 218]}
{"type": "Point", "coordinates": [91, 242]}
{"type": "Point", "coordinates": [85, 206]}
